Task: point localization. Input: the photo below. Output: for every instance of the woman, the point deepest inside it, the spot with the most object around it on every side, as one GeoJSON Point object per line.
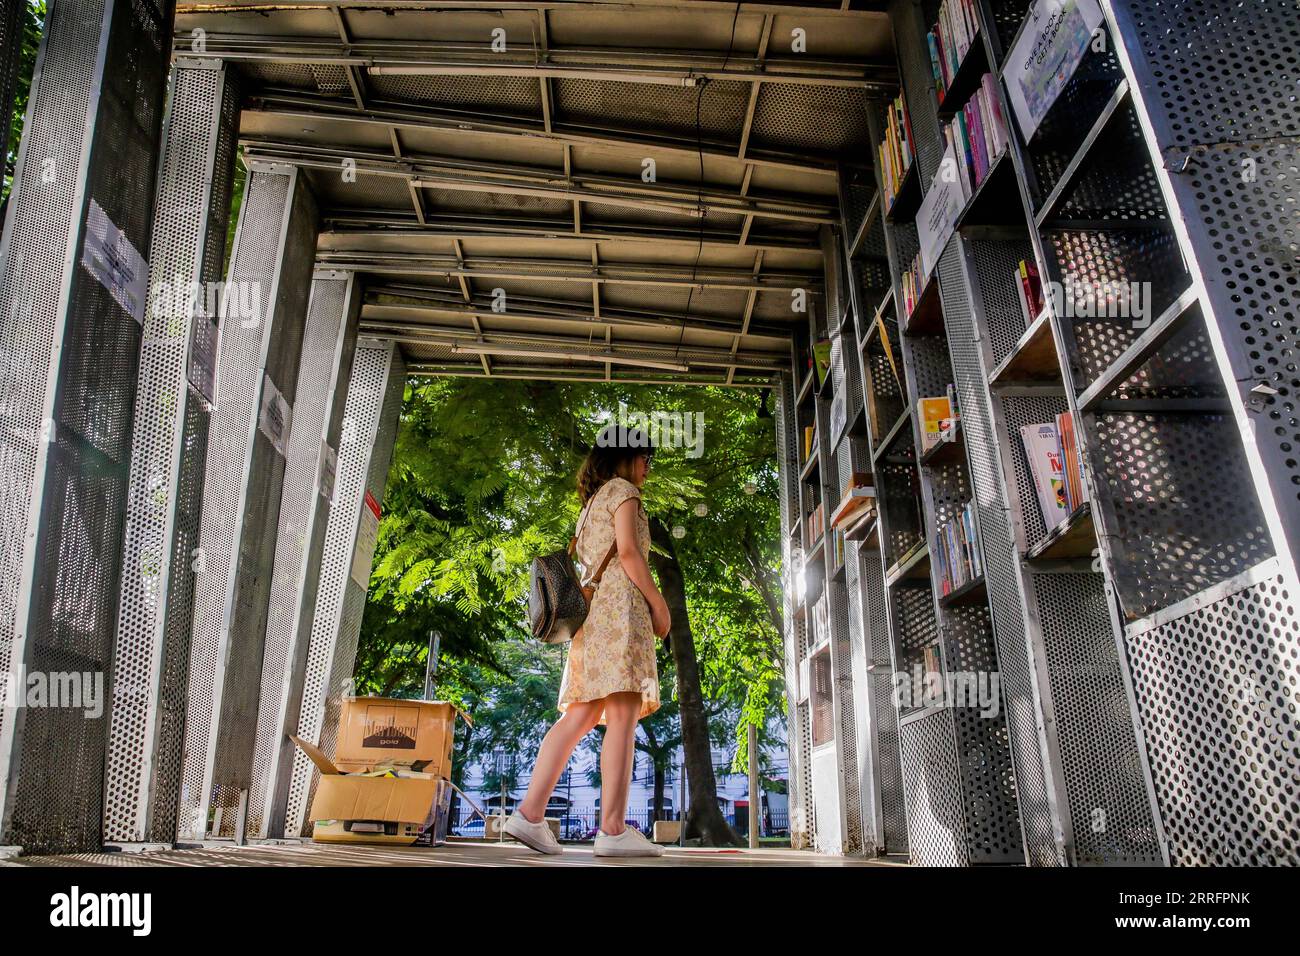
{"type": "Point", "coordinates": [609, 673]}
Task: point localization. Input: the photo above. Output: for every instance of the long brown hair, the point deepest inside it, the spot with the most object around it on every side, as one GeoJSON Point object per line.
{"type": "Point", "coordinates": [606, 461]}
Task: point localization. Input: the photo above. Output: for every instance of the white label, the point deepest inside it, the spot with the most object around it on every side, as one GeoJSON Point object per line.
{"type": "Point", "coordinates": [939, 211]}
{"type": "Point", "coordinates": [329, 463]}
{"type": "Point", "coordinates": [367, 537]}
{"type": "Point", "coordinates": [1054, 40]}
{"type": "Point", "coordinates": [109, 256]}
{"type": "Point", "coordinates": [275, 417]}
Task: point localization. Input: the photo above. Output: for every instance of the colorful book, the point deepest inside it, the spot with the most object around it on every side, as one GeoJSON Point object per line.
{"type": "Point", "coordinates": [1042, 450]}
{"type": "Point", "coordinates": [936, 421]}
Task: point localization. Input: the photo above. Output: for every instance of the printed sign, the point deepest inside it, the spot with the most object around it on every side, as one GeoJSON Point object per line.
{"type": "Point", "coordinates": [367, 537]}
{"type": "Point", "coordinates": [202, 367]}
{"type": "Point", "coordinates": [275, 417]}
{"type": "Point", "coordinates": [329, 463]}
{"type": "Point", "coordinates": [109, 256]}
{"type": "Point", "coordinates": [1051, 45]}
{"type": "Point", "coordinates": [939, 211]}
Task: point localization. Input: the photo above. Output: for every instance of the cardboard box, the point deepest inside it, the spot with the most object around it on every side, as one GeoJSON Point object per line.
{"type": "Point", "coordinates": [384, 732]}
{"type": "Point", "coordinates": [353, 808]}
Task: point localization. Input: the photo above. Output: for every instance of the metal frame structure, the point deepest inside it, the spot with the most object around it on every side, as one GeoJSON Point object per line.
{"type": "Point", "coordinates": [259, 357]}
{"type": "Point", "coordinates": [328, 344]}
{"type": "Point", "coordinates": [168, 449]}
{"type": "Point", "coordinates": [366, 440]}
{"type": "Point", "coordinates": [642, 192]}
{"type": "Point", "coordinates": [1102, 628]}
{"type": "Point", "coordinates": [69, 347]}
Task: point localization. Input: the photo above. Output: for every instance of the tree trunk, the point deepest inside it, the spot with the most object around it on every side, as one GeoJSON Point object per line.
{"type": "Point", "coordinates": [705, 819]}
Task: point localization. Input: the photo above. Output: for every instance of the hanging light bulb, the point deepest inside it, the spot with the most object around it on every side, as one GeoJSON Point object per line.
{"type": "Point", "coordinates": [679, 532]}
{"type": "Point", "coordinates": [750, 487]}
{"type": "Point", "coordinates": [701, 510]}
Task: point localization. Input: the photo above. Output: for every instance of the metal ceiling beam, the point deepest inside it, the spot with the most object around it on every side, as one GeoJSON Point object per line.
{"type": "Point", "coordinates": [302, 106]}
{"type": "Point", "coordinates": [551, 373]}
{"type": "Point", "coordinates": [672, 67]}
{"type": "Point", "coordinates": [474, 226]}
{"type": "Point", "coordinates": [565, 270]}
{"type": "Point", "coordinates": [506, 179]}
{"type": "Point", "coordinates": [695, 6]}
{"type": "Point", "coordinates": [621, 352]}
{"type": "Point", "coordinates": [533, 308]}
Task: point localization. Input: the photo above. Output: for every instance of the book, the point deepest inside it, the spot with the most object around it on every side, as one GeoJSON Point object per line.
{"type": "Point", "coordinates": [936, 421]}
{"type": "Point", "coordinates": [1042, 451]}
{"type": "Point", "coordinates": [854, 501]}
{"type": "Point", "coordinates": [955, 553]}
{"type": "Point", "coordinates": [1029, 291]}
{"type": "Point", "coordinates": [895, 151]}
{"type": "Point", "coordinates": [1070, 464]}
{"type": "Point", "coordinates": [978, 135]}
{"type": "Point", "coordinates": [808, 432]}
{"type": "Point", "coordinates": [931, 657]}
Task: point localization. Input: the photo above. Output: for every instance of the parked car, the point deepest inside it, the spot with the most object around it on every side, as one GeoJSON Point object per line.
{"type": "Point", "coordinates": [591, 833]}
{"type": "Point", "coordinates": [471, 828]}
{"type": "Point", "coordinates": [572, 828]}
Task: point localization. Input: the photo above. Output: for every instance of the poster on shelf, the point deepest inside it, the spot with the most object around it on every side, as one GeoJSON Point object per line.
{"type": "Point", "coordinates": [839, 415]}
{"type": "Point", "coordinates": [1052, 43]}
{"type": "Point", "coordinates": [939, 212]}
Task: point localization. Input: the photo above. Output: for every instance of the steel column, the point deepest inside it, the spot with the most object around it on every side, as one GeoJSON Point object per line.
{"type": "Point", "coordinates": [370, 417]}
{"type": "Point", "coordinates": [270, 271]}
{"type": "Point", "coordinates": [72, 297]}
{"type": "Point", "coordinates": [329, 342]}
{"type": "Point", "coordinates": [168, 444]}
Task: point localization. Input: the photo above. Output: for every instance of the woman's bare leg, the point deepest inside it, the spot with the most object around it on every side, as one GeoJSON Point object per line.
{"type": "Point", "coordinates": [621, 712]}
{"type": "Point", "coordinates": [557, 747]}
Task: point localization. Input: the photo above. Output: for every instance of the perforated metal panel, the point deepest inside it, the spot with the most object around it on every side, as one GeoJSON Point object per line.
{"type": "Point", "coordinates": [274, 246]}
{"type": "Point", "coordinates": [788, 472]}
{"type": "Point", "coordinates": [1104, 780]}
{"type": "Point", "coordinates": [1216, 693]}
{"type": "Point", "coordinates": [167, 453]}
{"type": "Point", "coordinates": [370, 419]}
{"type": "Point", "coordinates": [936, 825]}
{"type": "Point", "coordinates": [1215, 85]}
{"type": "Point", "coordinates": [1177, 533]}
{"type": "Point", "coordinates": [329, 339]}
{"type": "Point", "coordinates": [968, 312]}
{"type": "Point", "coordinates": [68, 362]}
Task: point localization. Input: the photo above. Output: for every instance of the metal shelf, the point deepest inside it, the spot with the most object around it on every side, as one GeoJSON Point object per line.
{"type": "Point", "coordinates": [1034, 358]}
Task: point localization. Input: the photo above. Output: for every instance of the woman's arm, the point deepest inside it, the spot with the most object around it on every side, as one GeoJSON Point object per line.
{"type": "Point", "coordinates": [634, 563]}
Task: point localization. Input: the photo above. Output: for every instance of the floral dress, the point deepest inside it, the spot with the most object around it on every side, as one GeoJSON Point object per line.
{"type": "Point", "coordinates": [614, 650]}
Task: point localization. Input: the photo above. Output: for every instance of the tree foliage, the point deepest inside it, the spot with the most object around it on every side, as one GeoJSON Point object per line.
{"type": "Point", "coordinates": [483, 480]}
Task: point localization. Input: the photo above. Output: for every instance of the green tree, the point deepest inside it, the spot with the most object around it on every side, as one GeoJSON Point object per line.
{"type": "Point", "coordinates": [32, 22]}
{"type": "Point", "coordinates": [482, 481]}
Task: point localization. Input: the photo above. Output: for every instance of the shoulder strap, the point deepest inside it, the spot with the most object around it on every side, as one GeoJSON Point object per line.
{"type": "Point", "coordinates": [573, 542]}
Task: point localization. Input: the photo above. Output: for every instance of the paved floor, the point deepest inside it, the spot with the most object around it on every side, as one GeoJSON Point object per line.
{"type": "Point", "coordinates": [454, 853]}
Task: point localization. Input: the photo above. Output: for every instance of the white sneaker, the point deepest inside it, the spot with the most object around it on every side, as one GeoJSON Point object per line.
{"type": "Point", "coordinates": [628, 843]}
{"type": "Point", "coordinates": [535, 836]}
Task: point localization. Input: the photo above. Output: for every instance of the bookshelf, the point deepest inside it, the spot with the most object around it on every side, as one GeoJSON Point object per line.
{"type": "Point", "coordinates": [1184, 548]}
{"type": "Point", "coordinates": [967, 333]}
